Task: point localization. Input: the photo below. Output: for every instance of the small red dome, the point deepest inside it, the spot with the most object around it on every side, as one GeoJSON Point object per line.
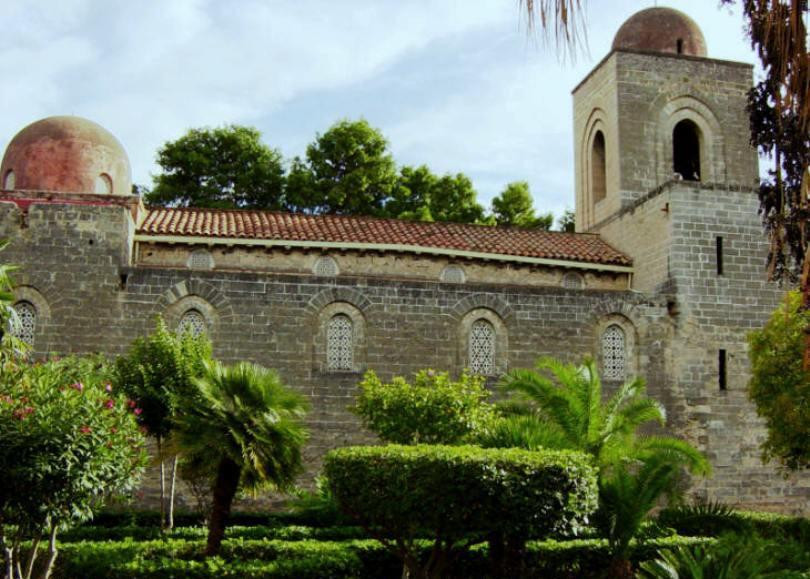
{"type": "Point", "coordinates": [661, 30]}
{"type": "Point", "coordinates": [67, 154]}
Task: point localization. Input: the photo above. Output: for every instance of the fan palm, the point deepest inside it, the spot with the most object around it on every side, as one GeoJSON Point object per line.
{"type": "Point", "coordinates": [242, 421]}
{"type": "Point", "coordinates": [566, 411]}
{"type": "Point", "coordinates": [562, 407]}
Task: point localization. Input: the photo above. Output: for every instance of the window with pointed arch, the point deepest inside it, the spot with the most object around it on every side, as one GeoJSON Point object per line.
{"type": "Point", "coordinates": [193, 322]}
{"type": "Point", "coordinates": [482, 346]}
{"type": "Point", "coordinates": [614, 353]}
{"type": "Point", "coordinates": [340, 343]}
{"type": "Point", "coordinates": [25, 329]}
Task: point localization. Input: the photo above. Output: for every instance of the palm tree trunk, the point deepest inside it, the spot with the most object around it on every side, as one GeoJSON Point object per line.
{"type": "Point", "coordinates": [225, 487]}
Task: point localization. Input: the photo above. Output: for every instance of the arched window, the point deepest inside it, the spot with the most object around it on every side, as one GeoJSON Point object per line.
{"type": "Point", "coordinates": [193, 322]}
{"type": "Point", "coordinates": [325, 266]}
{"type": "Point", "coordinates": [200, 259]}
{"type": "Point", "coordinates": [9, 182]}
{"type": "Point", "coordinates": [340, 343]}
{"type": "Point", "coordinates": [598, 168]}
{"type": "Point", "coordinates": [104, 185]}
{"type": "Point", "coordinates": [614, 353]}
{"type": "Point", "coordinates": [27, 318]}
{"type": "Point", "coordinates": [453, 274]}
{"type": "Point", "coordinates": [686, 150]}
{"type": "Point", "coordinates": [482, 348]}
{"type": "Point", "coordinates": [573, 280]}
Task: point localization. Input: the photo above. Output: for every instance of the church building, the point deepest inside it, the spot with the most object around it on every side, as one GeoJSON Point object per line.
{"type": "Point", "coordinates": [663, 279]}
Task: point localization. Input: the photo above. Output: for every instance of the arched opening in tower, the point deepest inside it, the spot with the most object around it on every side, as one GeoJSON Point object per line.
{"type": "Point", "coordinates": [686, 150]}
{"type": "Point", "coordinates": [598, 169]}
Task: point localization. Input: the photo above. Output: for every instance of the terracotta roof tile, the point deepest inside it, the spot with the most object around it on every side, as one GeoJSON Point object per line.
{"type": "Point", "coordinates": [352, 229]}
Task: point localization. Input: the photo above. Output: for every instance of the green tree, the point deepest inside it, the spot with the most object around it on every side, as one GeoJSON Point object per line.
{"type": "Point", "coordinates": [245, 425]}
{"type": "Point", "coordinates": [157, 373]}
{"type": "Point", "coordinates": [514, 206]}
{"type": "Point", "coordinates": [431, 409]}
{"type": "Point", "coordinates": [424, 196]}
{"type": "Point", "coordinates": [453, 198]}
{"type": "Point", "coordinates": [567, 222]}
{"type": "Point", "coordinates": [780, 385]}
{"type": "Point", "coordinates": [225, 167]}
{"type": "Point", "coordinates": [411, 196]}
{"type": "Point", "coordinates": [69, 440]}
{"type": "Point", "coordinates": [348, 170]}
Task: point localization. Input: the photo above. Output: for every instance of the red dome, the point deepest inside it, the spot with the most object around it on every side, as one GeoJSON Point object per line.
{"type": "Point", "coordinates": [661, 30]}
{"type": "Point", "coordinates": [67, 154]}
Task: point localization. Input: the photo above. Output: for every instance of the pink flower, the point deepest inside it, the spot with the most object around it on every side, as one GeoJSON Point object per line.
{"type": "Point", "coordinates": [131, 403]}
{"type": "Point", "coordinates": [78, 386]}
{"type": "Point", "coordinates": [137, 411]}
{"type": "Point", "coordinates": [85, 429]}
{"type": "Point", "coordinates": [109, 404]}
{"type": "Point", "coordinates": [108, 387]}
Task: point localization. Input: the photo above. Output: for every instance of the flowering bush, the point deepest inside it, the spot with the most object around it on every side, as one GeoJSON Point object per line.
{"type": "Point", "coordinates": [67, 441]}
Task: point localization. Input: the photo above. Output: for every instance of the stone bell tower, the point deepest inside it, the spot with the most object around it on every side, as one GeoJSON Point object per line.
{"type": "Point", "coordinates": [665, 172]}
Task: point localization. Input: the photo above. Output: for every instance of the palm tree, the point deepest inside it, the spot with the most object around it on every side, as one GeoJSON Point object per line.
{"type": "Point", "coordinates": [242, 421]}
{"type": "Point", "coordinates": [563, 408]}
{"type": "Point", "coordinates": [560, 406]}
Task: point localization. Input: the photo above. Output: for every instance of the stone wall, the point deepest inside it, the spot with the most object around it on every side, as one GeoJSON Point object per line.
{"type": "Point", "coordinates": [371, 263]}
{"type": "Point", "coordinates": [716, 311]}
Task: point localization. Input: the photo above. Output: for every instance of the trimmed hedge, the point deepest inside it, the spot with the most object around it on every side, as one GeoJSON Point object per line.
{"type": "Point", "coordinates": [289, 533]}
{"type": "Point", "coordinates": [412, 491]}
{"type": "Point", "coordinates": [365, 559]}
{"type": "Point", "coordinates": [703, 520]}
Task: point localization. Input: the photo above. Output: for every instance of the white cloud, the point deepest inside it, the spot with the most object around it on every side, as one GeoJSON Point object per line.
{"type": "Point", "coordinates": [454, 84]}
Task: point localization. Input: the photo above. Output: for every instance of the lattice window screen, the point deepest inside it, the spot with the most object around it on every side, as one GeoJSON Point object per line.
{"type": "Point", "coordinates": [325, 266]}
{"type": "Point", "coordinates": [339, 343]}
{"type": "Point", "coordinates": [573, 281]}
{"type": "Point", "coordinates": [201, 259]}
{"type": "Point", "coordinates": [192, 321]}
{"type": "Point", "coordinates": [453, 274]}
{"type": "Point", "coordinates": [482, 348]}
{"type": "Point", "coordinates": [27, 314]}
{"type": "Point", "coordinates": [614, 353]}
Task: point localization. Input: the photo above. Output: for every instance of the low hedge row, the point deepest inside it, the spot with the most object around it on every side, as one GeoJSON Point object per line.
{"type": "Point", "coordinates": [150, 518]}
{"type": "Point", "coordinates": [307, 559]}
{"type": "Point", "coordinates": [713, 520]}
{"type": "Point", "coordinates": [288, 533]}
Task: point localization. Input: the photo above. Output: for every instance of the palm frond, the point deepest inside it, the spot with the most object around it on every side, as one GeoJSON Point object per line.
{"type": "Point", "coordinates": [245, 413]}
{"type": "Point", "coordinates": [527, 432]}
{"type": "Point", "coordinates": [674, 450]}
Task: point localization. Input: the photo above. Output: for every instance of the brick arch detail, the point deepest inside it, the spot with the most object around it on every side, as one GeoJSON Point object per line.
{"type": "Point", "coordinates": [330, 295]}
{"type": "Point", "coordinates": [485, 301]}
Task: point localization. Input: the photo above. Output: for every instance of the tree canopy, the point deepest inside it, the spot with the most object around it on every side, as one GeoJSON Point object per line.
{"type": "Point", "coordinates": [224, 167]}
{"type": "Point", "coordinates": [780, 386]}
{"type": "Point", "coordinates": [347, 170]}
{"type": "Point", "coordinates": [514, 206]}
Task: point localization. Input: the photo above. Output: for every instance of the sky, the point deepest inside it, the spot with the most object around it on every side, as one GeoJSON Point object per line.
{"type": "Point", "coordinates": [458, 85]}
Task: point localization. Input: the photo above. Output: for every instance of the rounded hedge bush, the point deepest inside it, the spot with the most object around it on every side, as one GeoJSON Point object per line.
{"type": "Point", "coordinates": [455, 491]}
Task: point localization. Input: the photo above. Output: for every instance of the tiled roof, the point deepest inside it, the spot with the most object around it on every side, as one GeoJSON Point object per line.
{"type": "Point", "coordinates": [265, 225]}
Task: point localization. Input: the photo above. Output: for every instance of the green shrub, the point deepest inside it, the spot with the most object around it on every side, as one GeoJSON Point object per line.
{"type": "Point", "coordinates": [714, 519]}
{"type": "Point", "coordinates": [285, 533]}
{"type": "Point", "coordinates": [460, 495]}
{"type": "Point", "coordinates": [433, 409]}
{"type": "Point", "coordinates": [365, 559]}
{"type": "Point", "coordinates": [69, 441]}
